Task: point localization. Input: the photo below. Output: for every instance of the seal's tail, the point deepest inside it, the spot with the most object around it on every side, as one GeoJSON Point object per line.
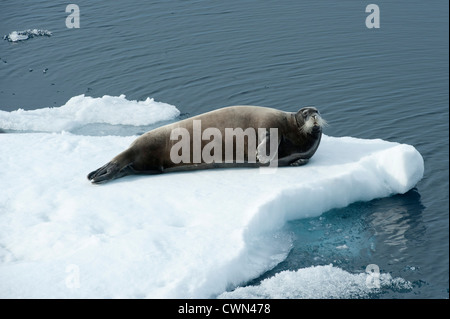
{"type": "Point", "coordinates": [119, 166]}
{"type": "Point", "coordinates": [109, 172]}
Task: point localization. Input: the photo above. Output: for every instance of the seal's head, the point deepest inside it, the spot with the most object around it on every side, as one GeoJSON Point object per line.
{"type": "Point", "coordinates": [309, 120]}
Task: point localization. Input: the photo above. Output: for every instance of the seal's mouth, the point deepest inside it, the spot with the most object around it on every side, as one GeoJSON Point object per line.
{"type": "Point", "coordinates": [314, 122]}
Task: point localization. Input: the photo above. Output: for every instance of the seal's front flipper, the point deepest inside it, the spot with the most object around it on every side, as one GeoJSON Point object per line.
{"type": "Point", "coordinates": [267, 149]}
{"type": "Point", "coordinates": [109, 172]}
{"type": "Point", "coordinates": [299, 162]}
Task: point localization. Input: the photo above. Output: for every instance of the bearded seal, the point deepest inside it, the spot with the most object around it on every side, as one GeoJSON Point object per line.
{"type": "Point", "coordinates": [283, 139]}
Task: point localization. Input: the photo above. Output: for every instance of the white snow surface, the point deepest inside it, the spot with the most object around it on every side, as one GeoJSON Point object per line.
{"type": "Point", "coordinates": [81, 110]}
{"type": "Point", "coordinates": [176, 235]}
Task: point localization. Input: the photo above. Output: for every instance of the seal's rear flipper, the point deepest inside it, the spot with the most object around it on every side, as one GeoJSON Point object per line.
{"type": "Point", "coordinates": [109, 172]}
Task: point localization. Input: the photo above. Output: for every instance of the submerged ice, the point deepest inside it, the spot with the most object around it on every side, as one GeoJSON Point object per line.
{"type": "Point", "coordinates": [177, 235]}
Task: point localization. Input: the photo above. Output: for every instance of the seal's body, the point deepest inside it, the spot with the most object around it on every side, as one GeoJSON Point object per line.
{"type": "Point", "coordinates": [292, 138]}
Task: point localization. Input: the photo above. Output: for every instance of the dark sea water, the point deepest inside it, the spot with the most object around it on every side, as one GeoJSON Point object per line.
{"type": "Point", "coordinates": [390, 83]}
